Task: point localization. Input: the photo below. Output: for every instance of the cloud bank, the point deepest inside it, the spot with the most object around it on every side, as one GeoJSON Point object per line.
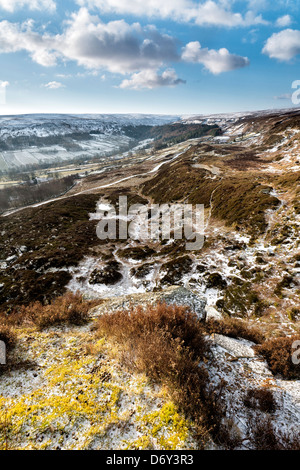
{"type": "Point", "coordinates": [117, 47]}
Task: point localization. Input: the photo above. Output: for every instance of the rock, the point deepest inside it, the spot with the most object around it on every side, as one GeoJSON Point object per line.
{"type": "Point", "coordinates": [239, 348]}
{"type": "Point", "coordinates": [213, 314]}
{"type": "Point", "coordinates": [184, 297]}
{"type": "Point", "coordinates": [171, 295]}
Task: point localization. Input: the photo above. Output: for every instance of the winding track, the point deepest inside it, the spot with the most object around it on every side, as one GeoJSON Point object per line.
{"type": "Point", "coordinates": [154, 170]}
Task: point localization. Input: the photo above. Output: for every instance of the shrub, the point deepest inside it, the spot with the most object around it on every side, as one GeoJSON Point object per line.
{"type": "Point", "coordinates": [167, 343]}
{"type": "Point", "coordinates": [264, 436]}
{"type": "Point", "coordinates": [234, 329]}
{"type": "Point", "coordinates": [69, 309]}
{"type": "Point", "coordinates": [278, 354]}
{"type": "Point", "coordinates": [286, 283]}
{"type": "Point", "coordinates": [261, 399]}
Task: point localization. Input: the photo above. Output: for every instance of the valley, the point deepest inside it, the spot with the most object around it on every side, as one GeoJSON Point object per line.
{"type": "Point", "coordinates": [248, 179]}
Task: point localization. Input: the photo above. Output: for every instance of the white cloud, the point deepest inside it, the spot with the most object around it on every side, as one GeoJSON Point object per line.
{"type": "Point", "coordinates": [12, 5]}
{"type": "Point", "coordinates": [54, 85]}
{"type": "Point", "coordinates": [284, 96]}
{"type": "Point", "coordinates": [151, 79]}
{"type": "Point", "coordinates": [284, 45]}
{"type": "Point", "coordinates": [15, 37]}
{"type": "Point", "coordinates": [215, 61]}
{"type": "Point", "coordinates": [284, 21]}
{"type": "Point", "coordinates": [3, 84]}
{"type": "Point", "coordinates": [116, 46]}
{"type": "Point", "coordinates": [202, 13]}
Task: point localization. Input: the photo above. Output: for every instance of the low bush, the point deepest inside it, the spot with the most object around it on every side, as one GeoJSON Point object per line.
{"type": "Point", "coordinates": [234, 329]}
{"type": "Point", "coordinates": [69, 309]}
{"type": "Point", "coordinates": [262, 399]}
{"type": "Point", "coordinates": [168, 344]}
{"type": "Point", "coordinates": [278, 353]}
{"type": "Point", "coordinates": [265, 436]}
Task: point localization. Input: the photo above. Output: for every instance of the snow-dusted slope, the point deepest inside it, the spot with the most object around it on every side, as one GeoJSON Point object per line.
{"type": "Point", "coordinates": [32, 140]}
{"type": "Point", "coordinates": [44, 125]}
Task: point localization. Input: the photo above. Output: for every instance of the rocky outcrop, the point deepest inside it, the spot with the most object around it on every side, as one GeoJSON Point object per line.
{"type": "Point", "coordinates": [171, 295]}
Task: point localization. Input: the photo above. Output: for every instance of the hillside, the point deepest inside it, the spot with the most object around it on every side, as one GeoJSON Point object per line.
{"type": "Point", "coordinates": [242, 290]}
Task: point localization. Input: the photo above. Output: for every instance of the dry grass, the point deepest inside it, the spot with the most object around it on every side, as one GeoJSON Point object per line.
{"type": "Point", "coordinates": [69, 309]}
{"type": "Point", "coordinates": [167, 343]}
{"type": "Point", "coordinates": [234, 329]}
{"type": "Point", "coordinates": [278, 354]}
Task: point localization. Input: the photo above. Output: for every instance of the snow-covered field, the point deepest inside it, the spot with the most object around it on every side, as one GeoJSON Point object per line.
{"type": "Point", "coordinates": [27, 140]}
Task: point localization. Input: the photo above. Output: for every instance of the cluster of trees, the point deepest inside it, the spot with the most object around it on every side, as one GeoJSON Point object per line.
{"type": "Point", "coordinates": [33, 192]}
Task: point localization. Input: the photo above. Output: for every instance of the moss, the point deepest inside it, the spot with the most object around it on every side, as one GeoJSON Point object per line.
{"type": "Point", "coordinates": [241, 300]}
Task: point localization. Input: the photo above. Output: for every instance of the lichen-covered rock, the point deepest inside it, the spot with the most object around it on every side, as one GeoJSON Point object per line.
{"type": "Point", "coordinates": [185, 297]}
{"type": "Point", "coordinates": [170, 295]}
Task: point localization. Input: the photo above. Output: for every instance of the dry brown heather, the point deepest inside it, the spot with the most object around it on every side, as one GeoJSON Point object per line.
{"type": "Point", "coordinates": [237, 200]}
{"type": "Point", "coordinates": [234, 328]}
{"type": "Point", "coordinates": [278, 354]}
{"type": "Point", "coordinates": [168, 344]}
{"type": "Point", "coordinates": [69, 309]}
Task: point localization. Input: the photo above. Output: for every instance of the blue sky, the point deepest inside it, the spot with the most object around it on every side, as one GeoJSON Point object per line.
{"type": "Point", "coordinates": [155, 56]}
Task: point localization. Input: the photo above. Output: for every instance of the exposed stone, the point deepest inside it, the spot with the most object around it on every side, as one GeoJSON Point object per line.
{"type": "Point", "coordinates": [171, 295]}
{"type": "Point", "coordinates": [109, 275]}
{"type": "Point", "coordinates": [185, 297]}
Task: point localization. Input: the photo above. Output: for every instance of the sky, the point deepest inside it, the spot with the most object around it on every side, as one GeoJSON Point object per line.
{"type": "Point", "coordinates": [148, 56]}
